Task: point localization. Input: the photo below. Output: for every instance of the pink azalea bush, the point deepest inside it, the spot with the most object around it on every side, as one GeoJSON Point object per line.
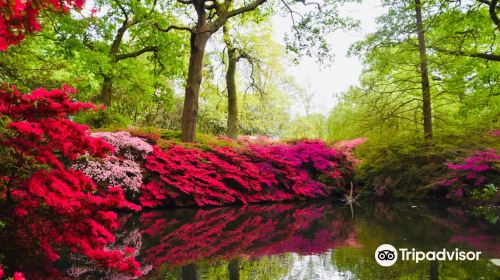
{"type": "Point", "coordinates": [472, 172]}
{"type": "Point", "coordinates": [124, 167]}
{"type": "Point", "coordinates": [132, 148]}
{"type": "Point", "coordinates": [114, 171]}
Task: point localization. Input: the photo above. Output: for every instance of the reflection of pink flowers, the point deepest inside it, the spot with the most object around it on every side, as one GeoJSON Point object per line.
{"type": "Point", "coordinates": [130, 245]}
{"type": "Point", "coordinates": [255, 230]}
{"type": "Point", "coordinates": [484, 243]}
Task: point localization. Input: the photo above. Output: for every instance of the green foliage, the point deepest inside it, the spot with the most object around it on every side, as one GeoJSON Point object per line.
{"type": "Point", "coordinates": [387, 106]}
{"type": "Point", "coordinates": [75, 49]}
{"type": "Point", "coordinates": [486, 193]}
{"type": "Point", "coordinates": [102, 119]}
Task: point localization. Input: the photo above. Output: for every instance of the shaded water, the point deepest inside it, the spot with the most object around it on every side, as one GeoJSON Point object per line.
{"type": "Point", "coordinates": [304, 241]}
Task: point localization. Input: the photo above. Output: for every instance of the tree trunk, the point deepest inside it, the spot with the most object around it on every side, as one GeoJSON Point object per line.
{"type": "Point", "coordinates": [193, 83]}
{"type": "Point", "coordinates": [434, 270]}
{"type": "Point", "coordinates": [232, 98]}
{"type": "Point", "coordinates": [106, 91]}
{"type": "Point", "coordinates": [234, 269]}
{"type": "Point", "coordinates": [189, 272]}
{"type": "Point", "coordinates": [424, 73]}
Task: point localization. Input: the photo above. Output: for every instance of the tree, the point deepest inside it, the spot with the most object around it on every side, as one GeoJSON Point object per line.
{"type": "Point", "coordinates": [129, 20]}
{"type": "Point", "coordinates": [212, 15]}
{"type": "Point", "coordinates": [464, 31]}
{"type": "Point", "coordinates": [232, 97]}
{"type": "Point", "coordinates": [463, 78]}
{"type": "Point", "coordinates": [234, 54]}
{"type": "Point", "coordinates": [493, 7]}
{"type": "Point", "coordinates": [122, 31]}
{"type": "Point", "coordinates": [263, 89]}
{"type": "Point", "coordinates": [424, 72]}
{"type": "Point", "coordinates": [76, 48]}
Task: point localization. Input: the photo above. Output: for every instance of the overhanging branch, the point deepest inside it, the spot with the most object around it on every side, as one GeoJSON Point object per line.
{"type": "Point", "coordinates": [487, 56]}
{"type": "Point", "coordinates": [184, 28]}
{"type": "Point", "coordinates": [246, 8]}
{"type": "Point", "coordinates": [136, 53]}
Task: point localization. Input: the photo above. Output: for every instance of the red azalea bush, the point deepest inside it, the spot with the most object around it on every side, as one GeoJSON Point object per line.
{"type": "Point", "coordinates": [472, 172]}
{"type": "Point", "coordinates": [248, 174]}
{"type": "Point", "coordinates": [45, 204]}
{"type": "Point", "coordinates": [18, 17]}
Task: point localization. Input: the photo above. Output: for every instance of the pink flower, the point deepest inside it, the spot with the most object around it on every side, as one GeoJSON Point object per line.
{"type": "Point", "coordinates": [18, 276]}
{"type": "Point", "coordinates": [494, 133]}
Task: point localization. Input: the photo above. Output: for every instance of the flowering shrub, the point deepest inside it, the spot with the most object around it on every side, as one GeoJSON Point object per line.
{"type": "Point", "coordinates": [18, 17]}
{"type": "Point", "coordinates": [132, 148]}
{"type": "Point", "coordinates": [46, 205]}
{"type": "Point", "coordinates": [260, 139]}
{"type": "Point", "coordinates": [113, 171]}
{"type": "Point", "coordinates": [124, 168]}
{"type": "Point", "coordinates": [349, 145]}
{"type": "Point", "coordinates": [472, 172]}
{"type": "Point", "coordinates": [248, 174]}
{"type": "Point", "coordinates": [494, 133]}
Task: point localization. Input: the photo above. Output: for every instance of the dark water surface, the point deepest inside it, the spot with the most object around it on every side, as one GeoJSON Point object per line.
{"type": "Point", "coordinates": [305, 241]}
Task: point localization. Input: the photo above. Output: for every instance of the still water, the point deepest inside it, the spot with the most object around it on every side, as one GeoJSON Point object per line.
{"type": "Point", "coordinates": [318, 240]}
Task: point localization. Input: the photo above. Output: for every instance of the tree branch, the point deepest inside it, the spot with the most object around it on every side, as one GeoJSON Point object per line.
{"type": "Point", "coordinates": [184, 28]}
{"type": "Point", "coordinates": [492, 7]}
{"type": "Point", "coordinates": [487, 56]}
{"type": "Point", "coordinates": [136, 53]}
{"type": "Point", "coordinates": [246, 8]}
{"type": "Point", "coordinates": [122, 9]}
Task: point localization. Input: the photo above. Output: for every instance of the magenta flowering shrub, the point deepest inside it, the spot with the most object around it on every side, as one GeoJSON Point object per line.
{"type": "Point", "coordinates": [248, 174]}
{"type": "Point", "coordinates": [472, 172]}
{"type": "Point", "coordinates": [349, 145]}
{"type": "Point", "coordinates": [494, 133]}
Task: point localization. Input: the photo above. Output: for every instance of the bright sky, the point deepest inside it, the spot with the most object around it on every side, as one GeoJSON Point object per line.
{"type": "Point", "coordinates": [344, 72]}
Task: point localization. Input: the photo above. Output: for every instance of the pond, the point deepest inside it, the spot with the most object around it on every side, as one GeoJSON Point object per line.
{"type": "Point", "coordinates": [319, 240]}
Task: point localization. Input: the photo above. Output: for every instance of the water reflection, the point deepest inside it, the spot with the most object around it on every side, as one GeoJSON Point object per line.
{"type": "Point", "coordinates": [300, 241]}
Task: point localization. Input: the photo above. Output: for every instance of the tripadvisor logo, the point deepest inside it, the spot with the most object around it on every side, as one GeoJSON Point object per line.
{"type": "Point", "coordinates": [387, 255]}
